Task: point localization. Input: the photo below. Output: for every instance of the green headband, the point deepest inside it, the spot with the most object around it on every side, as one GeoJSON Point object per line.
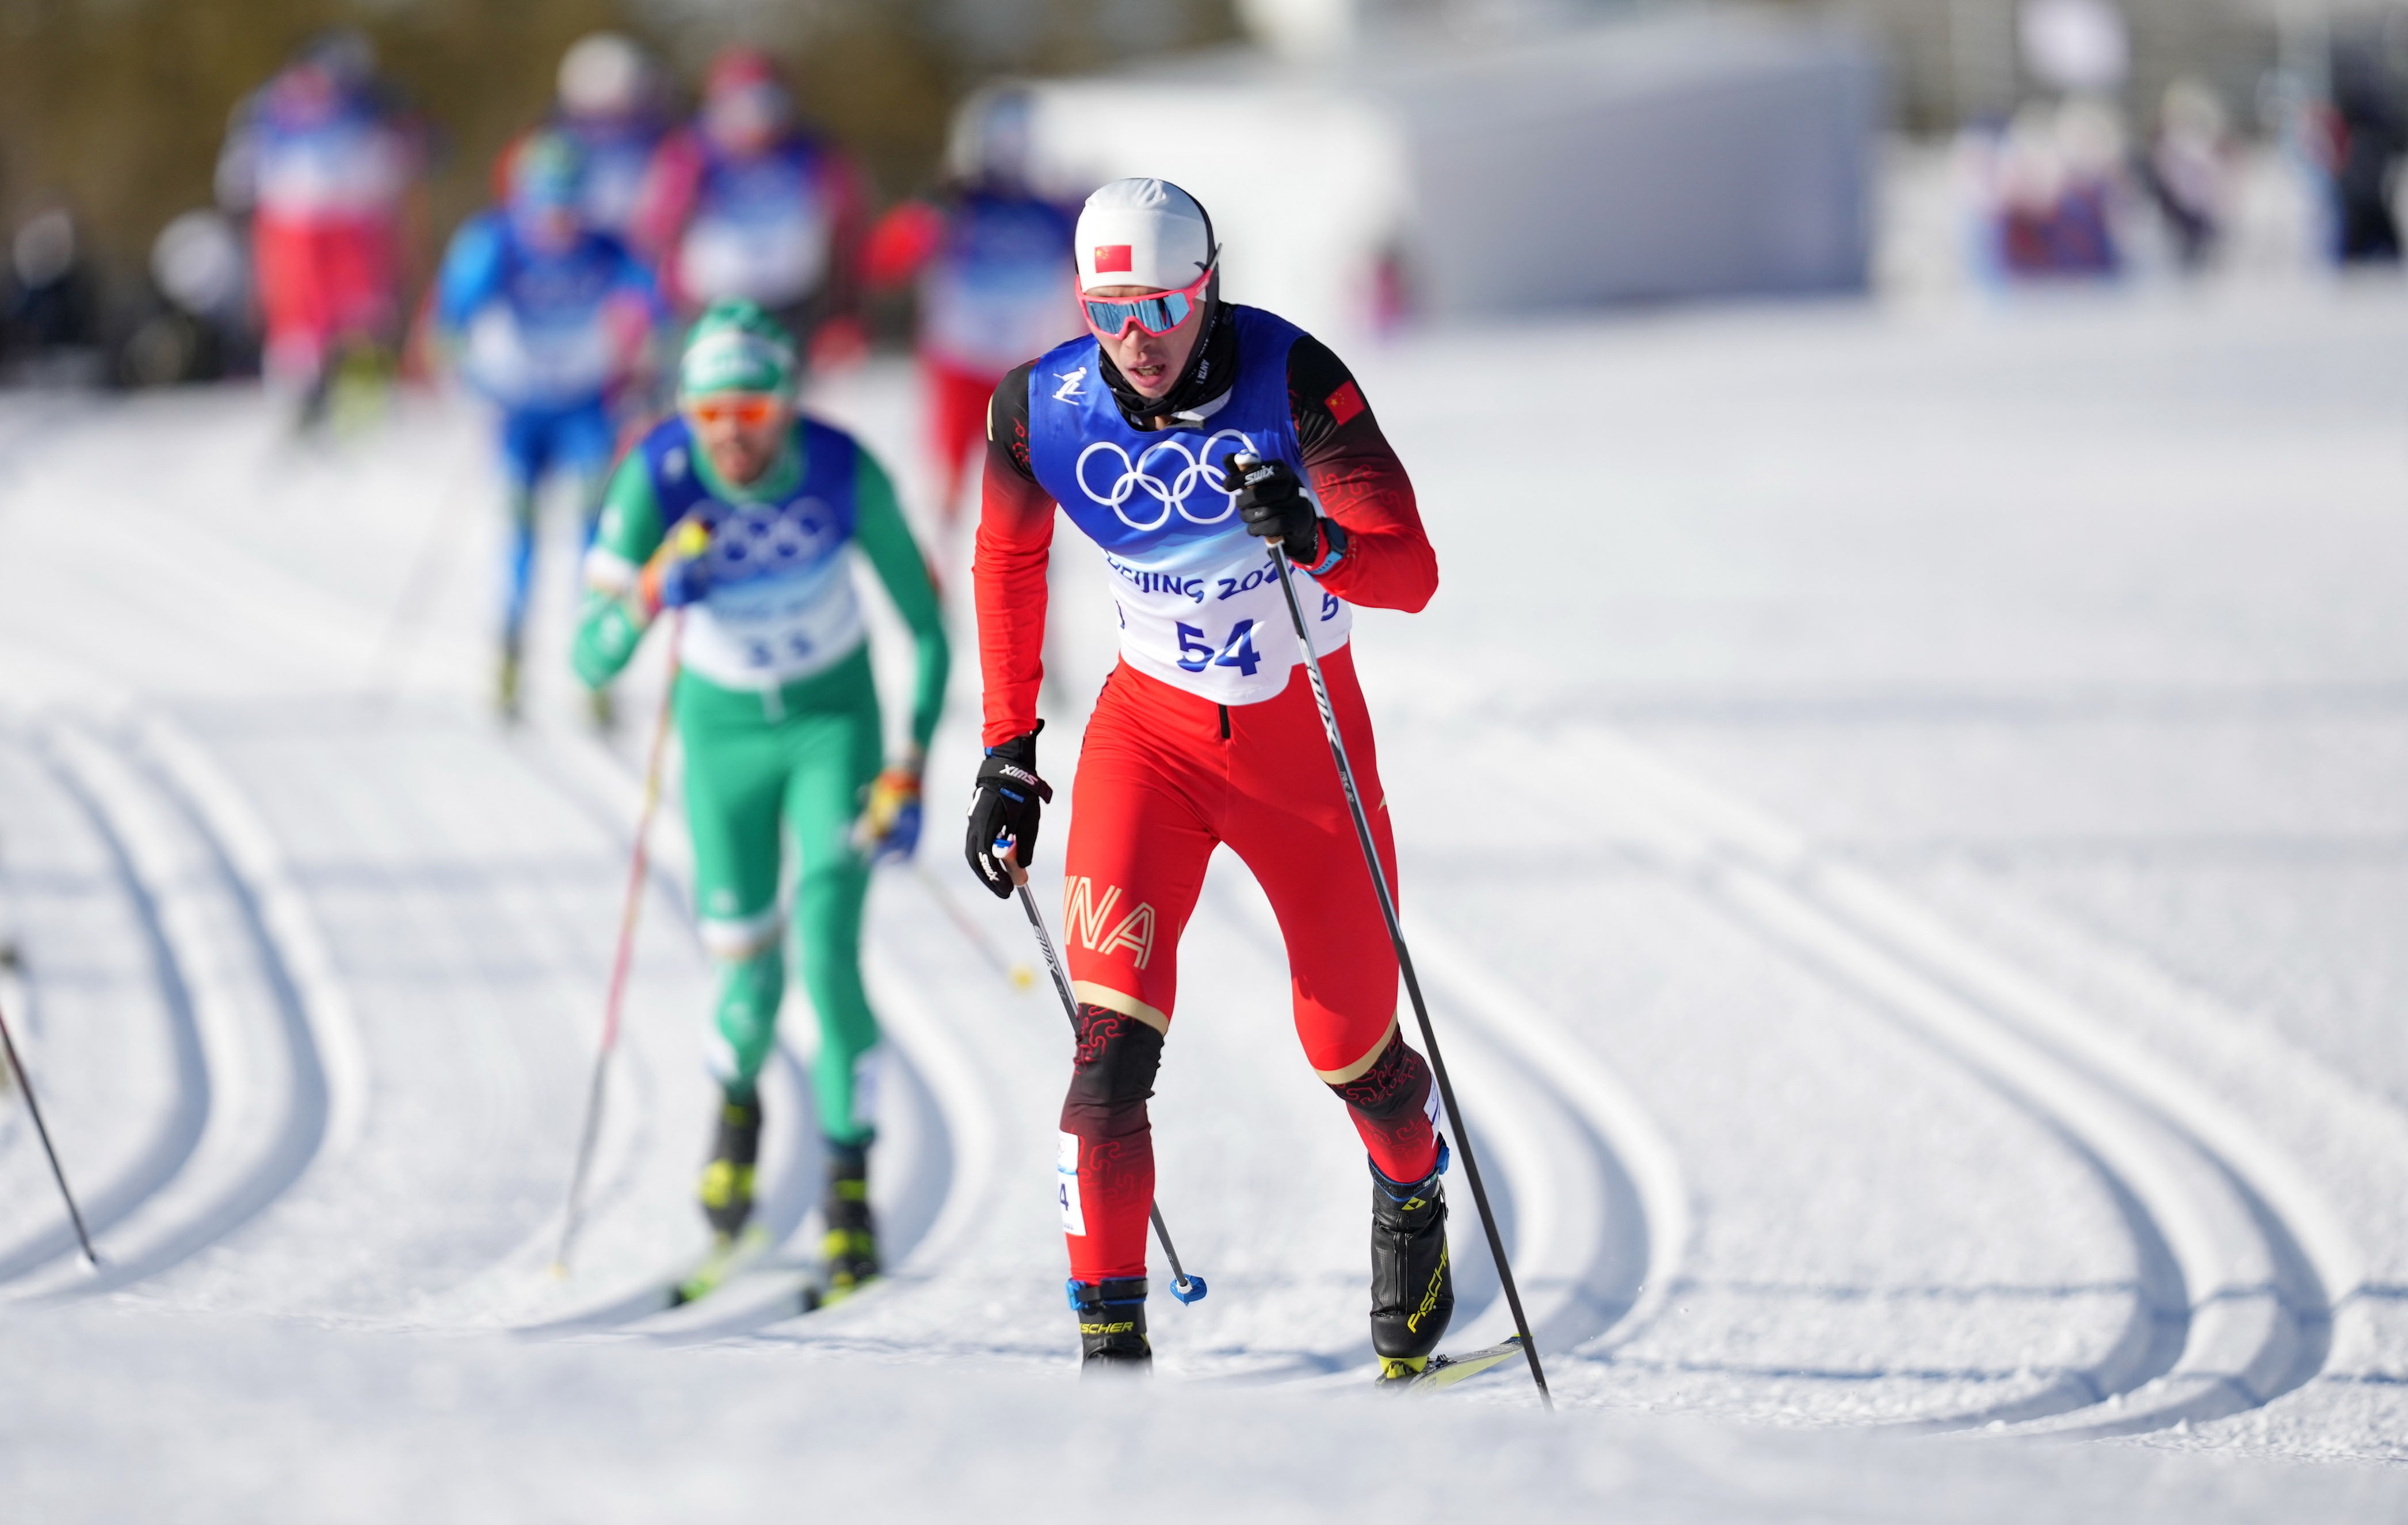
{"type": "Point", "coordinates": [734, 361]}
{"type": "Point", "coordinates": [737, 347]}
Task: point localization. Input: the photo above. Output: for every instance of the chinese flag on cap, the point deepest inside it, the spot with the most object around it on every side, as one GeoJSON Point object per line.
{"type": "Point", "coordinates": [1111, 257]}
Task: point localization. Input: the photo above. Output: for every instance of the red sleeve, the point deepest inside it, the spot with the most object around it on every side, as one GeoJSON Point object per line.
{"type": "Point", "coordinates": [851, 230]}
{"type": "Point", "coordinates": [665, 201]}
{"type": "Point", "coordinates": [1388, 564]}
{"type": "Point", "coordinates": [1015, 539]}
{"type": "Point", "coordinates": [901, 243]}
{"type": "Point", "coordinates": [502, 161]}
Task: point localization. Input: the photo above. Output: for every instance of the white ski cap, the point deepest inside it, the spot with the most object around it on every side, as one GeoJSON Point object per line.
{"type": "Point", "coordinates": [1142, 233]}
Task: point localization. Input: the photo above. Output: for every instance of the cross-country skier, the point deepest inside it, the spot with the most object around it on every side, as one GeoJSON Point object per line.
{"type": "Point", "coordinates": [778, 720]}
{"type": "Point", "coordinates": [552, 320]}
{"type": "Point", "coordinates": [1206, 733]}
{"type": "Point", "coordinates": [326, 162]}
{"type": "Point", "coordinates": [610, 104]}
{"type": "Point", "coordinates": [747, 204]}
{"type": "Point", "coordinates": [992, 256]}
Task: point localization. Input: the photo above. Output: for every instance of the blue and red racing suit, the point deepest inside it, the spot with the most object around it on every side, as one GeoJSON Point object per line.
{"type": "Point", "coordinates": [781, 226]}
{"type": "Point", "coordinates": [326, 167]}
{"type": "Point", "coordinates": [620, 155]}
{"type": "Point", "coordinates": [994, 285]}
{"type": "Point", "coordinates": [549, 335]}
{"type": "Point", "coordinates": [1206, 732]}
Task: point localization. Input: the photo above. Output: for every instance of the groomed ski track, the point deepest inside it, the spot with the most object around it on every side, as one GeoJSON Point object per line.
{"type": "Point", "coordinates": [1777, 1131]}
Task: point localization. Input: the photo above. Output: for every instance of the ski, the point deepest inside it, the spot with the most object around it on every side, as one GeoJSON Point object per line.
{"type": "Point", "coordinates": [817, 1294]}
{"type": "Point", "coordinates": [1446, 1371]}
{"type": "Point", "coordinates": [723, 1263]}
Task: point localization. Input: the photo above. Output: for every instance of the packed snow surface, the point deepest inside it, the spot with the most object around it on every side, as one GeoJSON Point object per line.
{"type": "Point", "coordinates": [1903, 828]}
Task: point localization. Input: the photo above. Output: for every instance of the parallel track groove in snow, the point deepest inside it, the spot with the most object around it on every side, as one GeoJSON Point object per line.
{"type": "Point", "coordinates": [173, 1136]}
{"type": "Point", "coordinates": [268, 1101]}
{"type": "Point", "coordinates": [1646, 1251]}
{"type": "Point", "coordinates": [2237, 1250]}
{"type": "Point", "coordinates": [1588, 1191]}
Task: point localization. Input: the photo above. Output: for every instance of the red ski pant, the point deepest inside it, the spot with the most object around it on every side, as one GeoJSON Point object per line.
{"type": "Point", "coordinates": [956, 411]}
{"type": "Point", "coordinates": [1164, 776]}
{"type": "Point", "coordinates": [323, 281]}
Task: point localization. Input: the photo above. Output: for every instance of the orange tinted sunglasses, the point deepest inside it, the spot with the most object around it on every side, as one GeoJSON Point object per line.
{"type": "Point", "coordinates": [750, 409]}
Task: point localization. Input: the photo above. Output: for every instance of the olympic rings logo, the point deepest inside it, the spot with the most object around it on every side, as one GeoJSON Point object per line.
{"type": "Point", "coordinates": [1196, 467]}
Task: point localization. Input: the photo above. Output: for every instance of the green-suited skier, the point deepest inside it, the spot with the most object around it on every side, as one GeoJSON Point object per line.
{"type": "Point", "coordinates": [739, 512]}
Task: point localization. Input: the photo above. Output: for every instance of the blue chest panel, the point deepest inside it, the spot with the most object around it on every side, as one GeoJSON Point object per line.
{"type": "Point", "coordinates": [799, 532]}
{"type": "Point", "coordinates": [1158, 497]}
{"type": "Point", "coordinates": [766, 186]}
{"type": "Point", "coordinates": [566, 287]}
{"type": "Point", "coordinates": [987, 232]}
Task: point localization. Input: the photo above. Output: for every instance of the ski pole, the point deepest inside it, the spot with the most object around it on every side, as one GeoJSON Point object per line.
{"type": "Point", "coordinates": [390, 667]}
{"type": "Point", "coordinates": [1184, 1287]}
{"type": "Point", "coordinates": [620, 958]}
{"type": "Point", "coordinates": [25, 1082]}
{"type": "Point", "coordinates": [1019, 975]}
{"type": "Point", "coordinates": [1404, 958]}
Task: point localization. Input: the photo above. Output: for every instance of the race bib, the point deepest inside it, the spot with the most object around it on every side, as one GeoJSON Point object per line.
{"type": "Point", "coordinates": [1204, 614]}
{"type": "Point", "coordinates": [519, 363]}
{"type": "Point", "coordinates": [781, 605]}
{"type": "Point", "coordinates": [772, 258]}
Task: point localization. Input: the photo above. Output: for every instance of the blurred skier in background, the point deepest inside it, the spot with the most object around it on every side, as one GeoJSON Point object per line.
{"type": "Point", "coordinates": [993, 257]}
{"type": "Point", "coordinates": [2056, 178]}
{"type": "Point", "coordinates": [748, 203]}
{"type": "Point", "coordinates": [613, 105]}
{"type": "Point", "coordinates": [324, 161]}
{"type": "Point", "coordinates": [199, 326]}
{"type": "Point", "coordinates": [2189, 170]}
{"type": "Point", "coordinates": [741, 512]}
{"type": "Point", "coordinates": [551, 319]}
{"type": "Point", "coordinates": [2365, 138]}
{"type": "Point", "coordinates": [52, 329]}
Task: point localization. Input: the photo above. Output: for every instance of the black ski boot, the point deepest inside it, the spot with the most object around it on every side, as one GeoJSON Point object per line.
{"type": "Point", "coordinates": [1412, 1285]}
{"type": "Point", "coordinates": [851, 1248]}
{"type": "Point", "coordinates": [727, 1181]}
{"type": "Point", "coordinates": [1111, 1326]}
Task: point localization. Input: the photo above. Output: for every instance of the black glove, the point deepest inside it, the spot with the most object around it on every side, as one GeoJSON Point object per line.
{"type": "Point", "coordinates": [1272, 501]}
{"type": "Point", "coordinates": [1005, 804]}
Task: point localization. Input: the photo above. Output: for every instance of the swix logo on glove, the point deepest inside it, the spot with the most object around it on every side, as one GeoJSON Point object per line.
{"type": "Point", "coordinates": [1022, 777]}
{"type": "Point", "coordinates": [1113, 257]}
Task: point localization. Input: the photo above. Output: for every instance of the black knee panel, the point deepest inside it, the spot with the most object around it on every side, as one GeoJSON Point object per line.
{"type": "Point", "coordinates": [1397, 1085]}
{"type": "Point", "coordinates": [1112, 1076]}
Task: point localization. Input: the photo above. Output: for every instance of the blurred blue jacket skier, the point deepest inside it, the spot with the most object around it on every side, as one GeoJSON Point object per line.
{"type": "Point", "coordinates": [553, 322]}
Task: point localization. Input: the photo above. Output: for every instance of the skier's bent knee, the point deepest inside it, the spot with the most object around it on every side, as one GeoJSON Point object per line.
{"type": "Point", "coordinates": [740, 941]}
{"type": "Point", "coordinates": [1112, 1078]}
